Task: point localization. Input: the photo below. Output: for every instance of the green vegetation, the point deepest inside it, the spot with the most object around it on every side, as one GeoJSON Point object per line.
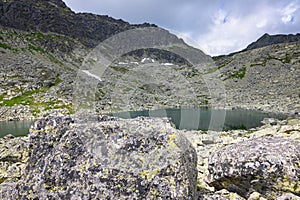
{"type": "Point", "coordinates": [2, 96]}
{"type": "Point", "coordinates": [57, 81]}
{"type": "Point", "coordinates": [239, 74]}
{"type": "Point", "coordinates": [100, 94]}
{"type": "Point", "coordinates": [43, 51]}
{"type": "Point", "coordinates": [40, 35]}
{"type": "Point", "coordinates": [287, 59]}
{"type": "Point", "coordinates": [5, 46]}
{"type": "Point", "coordinates": [29, 98]}
{"type": "Point", "coordinates": [211, 70]}
{"type": "Point", "coordinates": [192, 74]}
{"type": "Point", "coordinates": [240, 127]}
{"type": "Point", "coordinates": [25, 99]}
{"type": "Point", "coordinates": [38, 49]}
{"type": "Point", "coordinates": [91, 61]}
{"type": "Point", "coordinates": [119, 69]}
{"type": "Point", "coordinates": [2, 179]}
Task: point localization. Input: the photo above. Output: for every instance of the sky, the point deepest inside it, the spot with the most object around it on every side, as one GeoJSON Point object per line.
{"type": "Point", "coordinates": [217, 27]}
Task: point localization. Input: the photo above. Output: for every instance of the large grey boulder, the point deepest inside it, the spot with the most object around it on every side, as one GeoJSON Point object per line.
{"type": "Point", "coordinates": [107, 158]}
{"type": "Point", "coordinates": [267, 165]}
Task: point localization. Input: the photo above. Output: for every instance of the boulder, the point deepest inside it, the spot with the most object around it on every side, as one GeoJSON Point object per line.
{"type": "Point", "coordinates": [107, 158]}
{"type": "Point", "coordinates": [13, 157]}
{"type": "Point", "coordinates": [267, 165]}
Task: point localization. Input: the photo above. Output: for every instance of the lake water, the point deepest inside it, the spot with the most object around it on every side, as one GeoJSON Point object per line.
{"type": "Point", "coordinates": [191, 119]}
{"type": "Point", "coordinates": [16, 128]}
{"type": "Point", "coordinates": [207, 119]}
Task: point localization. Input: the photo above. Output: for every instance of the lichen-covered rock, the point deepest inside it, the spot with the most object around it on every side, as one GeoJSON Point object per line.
{"type": "Point", "coordinates": [267, 165]}
{"type": "Point", "coordinates": [13, 157]}
{"type": "Point", "coordinates": [107, 158]}
{"type": "Point", "coordinates": [220, 195]}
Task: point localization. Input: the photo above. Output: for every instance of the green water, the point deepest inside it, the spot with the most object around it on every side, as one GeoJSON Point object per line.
{"type": "Point", "coordinates": [16, 128]}
{"type": "Point", "coordinates": [191, 119]}
{"type": "Point", "coordinates": [207, 119]}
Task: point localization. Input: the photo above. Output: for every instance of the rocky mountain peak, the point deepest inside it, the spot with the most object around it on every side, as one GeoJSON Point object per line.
{"type": "Point", "coordinates": [266, 40]}
{"type": "Point", "coordinates": [54, 16]}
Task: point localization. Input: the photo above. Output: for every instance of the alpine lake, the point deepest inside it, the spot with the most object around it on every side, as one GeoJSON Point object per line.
{"type": "Point", "coordinates": [190, 119]}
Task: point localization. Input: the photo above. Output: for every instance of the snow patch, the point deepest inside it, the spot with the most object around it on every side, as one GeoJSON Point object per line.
{"type": "Point", "coordinates": [147, 59]}
{"type": "Point", "coordinates": [168, 64]}
{"type": "Point", "coordinates": [91, 75]}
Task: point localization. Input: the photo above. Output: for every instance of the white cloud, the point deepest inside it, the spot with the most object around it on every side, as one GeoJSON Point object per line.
{"type": "Point", "coordinates": [288, 12]}
{"type": "Point", "coordinates": [220, 17]}
{"type": "Point", "coordinates": [287, 18]}
{"type": "Point", "coordinates": [262, 23]}
{"type": "Point", "coordinates": [218, 26]}
{"type": "Point", "coordinates": [233, 30]}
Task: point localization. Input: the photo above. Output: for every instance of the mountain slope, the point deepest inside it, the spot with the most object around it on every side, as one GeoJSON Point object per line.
{"type": "Point", "coordinates": [43, 45]}
{"type": "Point", "coordinates": [265, 78]}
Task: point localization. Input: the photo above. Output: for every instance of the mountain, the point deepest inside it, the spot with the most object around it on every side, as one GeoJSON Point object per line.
{"type": "Point", "coordinates": [267, 40]}
{"type": "Point", "coordinates": [55, 17]}
{"type": "Point", "coordinates": [43, 45]}
{"type": "Point", "coordinates": [265, 78]}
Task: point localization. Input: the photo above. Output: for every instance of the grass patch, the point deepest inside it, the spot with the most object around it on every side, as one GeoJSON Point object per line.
{"type": "Point", "coordinates": [211, 70]}
{"type": "Point", "coordinates": [38, 49]}
{"type": "Point", "coordinates": [43, 51]}
{"type": "Point", "coordinates": [91, 61]}
{"type": "Point", "coordinates": [192, 74]}
{"type": "Point", "coordinates": [25, 99]}
{"type": "Point", "coordinates": [57, 81]}
{"type": "Point", "coordinates": [2, 97]}
{"type": "Point", "coordinates": [5, 46]}
{"type": "Point", "coordinates": [120, 69]}
{"type": "Point", "coordinates": [3, 179]}
{"type": "Point", "coordinates": [287, 59]}
{"type": "Point", "coordinates": [28, 99]}
{"type": "Point", "coordinates": [239, 74]}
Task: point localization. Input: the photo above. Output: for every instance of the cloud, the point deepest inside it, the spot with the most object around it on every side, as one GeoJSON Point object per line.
{"type": "Point", "coordinates": [217, 26]}
{"type": "Point", "coordinates": [288, 12]}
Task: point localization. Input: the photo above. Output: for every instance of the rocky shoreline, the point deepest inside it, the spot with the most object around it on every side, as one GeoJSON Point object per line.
{"type": "Point", "coordinates": [221, 177]}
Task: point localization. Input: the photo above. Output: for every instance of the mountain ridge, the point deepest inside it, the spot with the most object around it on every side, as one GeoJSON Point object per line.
{"type": "Point", "coordinates": [54, 16]}
{"type": "Point", "coordinates": [266, 40]}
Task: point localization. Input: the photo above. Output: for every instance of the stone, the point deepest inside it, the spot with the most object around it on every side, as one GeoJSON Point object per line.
{"type": "Point", "coordinates": [254, 196]}
{"type": "Point", "coordinates": [107, 158]}
{"type": "Point", "coordinates": [13, 157]}
{"type": "Point", "coordinates": [221, 195]}
{"type": "Point", "coordinates": [267, 165]}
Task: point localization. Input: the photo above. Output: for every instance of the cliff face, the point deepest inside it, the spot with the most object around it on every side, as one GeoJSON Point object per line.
{"type": "Point", "coordinates": [54, 16]}
{"type": "Point", "coordinates": [267, 40]}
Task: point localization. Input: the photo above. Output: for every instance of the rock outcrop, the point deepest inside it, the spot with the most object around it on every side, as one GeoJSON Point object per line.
{"type": "Point", "coordinates": [106, 158]}
{"type": "Point", "coordinates": [13, 158]}
{"type": "Point", "coordinates": [218, 181]}
{"type": "Point", "coordinates": [267, 165]}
